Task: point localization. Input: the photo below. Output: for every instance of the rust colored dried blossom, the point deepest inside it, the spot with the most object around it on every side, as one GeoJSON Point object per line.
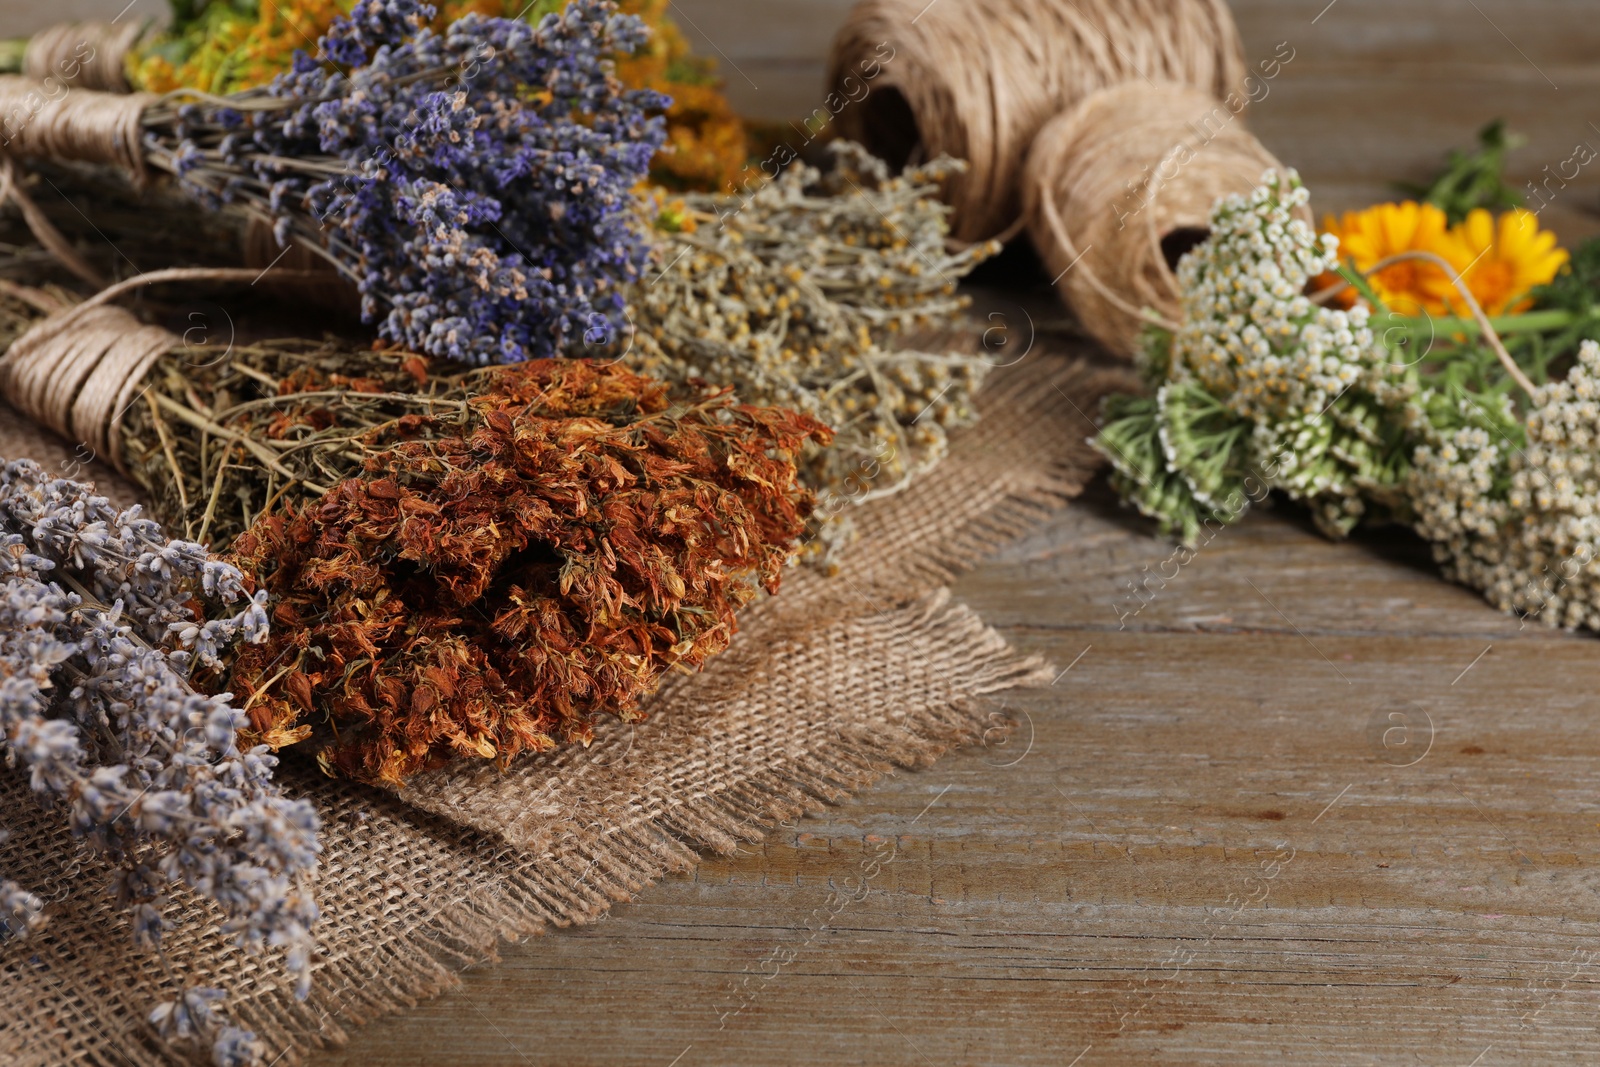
{"type": "Point", "coordinates": [488, 590]}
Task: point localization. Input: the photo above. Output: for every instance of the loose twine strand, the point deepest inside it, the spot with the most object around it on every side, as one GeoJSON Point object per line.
{"type": "Point", "coordinates": [1481, 317]}
{"type": "Point", "coordinates": [96, 53]}
{"type": "Point", "coordinates": [1111, 180]}
{"type": "Point", "coordinates": [981, 77]}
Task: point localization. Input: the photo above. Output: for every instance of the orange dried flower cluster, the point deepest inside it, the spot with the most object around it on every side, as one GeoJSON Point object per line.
{"type": "Point", "coordinates": [707, 147]}
{"type": "Point", "coordinates": [489, 589]}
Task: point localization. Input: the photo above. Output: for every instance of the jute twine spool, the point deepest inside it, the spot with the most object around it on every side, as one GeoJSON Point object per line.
{"type": "Point", "coordinates": [976, 79]}
{"type": "Point", "coordinates": [85, 55]}
{"type": "Point", "coordinates": [1118, 188]}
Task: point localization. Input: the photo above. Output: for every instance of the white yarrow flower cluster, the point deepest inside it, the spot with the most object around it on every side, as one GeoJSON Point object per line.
{"type": "Point", "coordinates": [97, 641]}
{"type": "Point", "coordinates": [1249, 334]}
{"type": "Point", "coordinates": [1523, 524]}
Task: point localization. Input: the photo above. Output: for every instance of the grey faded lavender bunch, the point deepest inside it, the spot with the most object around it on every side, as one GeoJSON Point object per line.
{"type": "Point", "coordinates": [98, 637]}
{"type": "Point", "coordinates": [475, 185]}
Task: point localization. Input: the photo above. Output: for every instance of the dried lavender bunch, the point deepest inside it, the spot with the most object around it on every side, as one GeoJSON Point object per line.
{"type": "Point", "coordinates": [475, 184]}
{"type": "Point", "coordinates": [805, 293]}
{"type": "Point", "coordinates": [98, 642]}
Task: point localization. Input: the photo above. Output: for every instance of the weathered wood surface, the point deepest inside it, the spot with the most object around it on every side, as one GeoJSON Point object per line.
{"type": "Point", "coordinates": [1309, 805]}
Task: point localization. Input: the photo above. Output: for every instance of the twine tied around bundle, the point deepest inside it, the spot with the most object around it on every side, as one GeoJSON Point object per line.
{"type": "Point", "coordinates": [86, 55]}
{"type": "Point", "coordinates": [1118, 188]}
{"type": "Point", "coordinates": [57, 123]}
{"type": "Point", "coordinates": [78, 369]}
{"type": "Point", "coordinates": [977, 79]}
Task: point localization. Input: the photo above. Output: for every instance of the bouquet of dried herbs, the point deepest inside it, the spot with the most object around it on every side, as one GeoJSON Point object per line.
{"type": "Point", "coordinates": [225, 46]}
{"type": "Point", "coordinates": [475, 185]}
{"type": "Point", "coordinates": [1475, 442]}
{"type": "Point", "coordinates": [100, 647]}
{"type": "Point", "coordinates": [808, 293]}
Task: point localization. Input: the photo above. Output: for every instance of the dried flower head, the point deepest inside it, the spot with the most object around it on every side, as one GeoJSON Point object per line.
{"type": "Point", "coordinates": [493, 581]}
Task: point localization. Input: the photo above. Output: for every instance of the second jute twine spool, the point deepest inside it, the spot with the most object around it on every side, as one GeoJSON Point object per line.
{"type": "Point", "coordinates": [1118, 188]}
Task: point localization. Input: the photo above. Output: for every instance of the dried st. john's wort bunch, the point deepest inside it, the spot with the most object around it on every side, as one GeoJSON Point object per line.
{"type": "Point", "coordinates": [801, 294]}
{"type": "Point", "coordinates": [98, 639]}
{"type": "Point", "coordinates": [506, 569]}
{"type": "Point", "coordinates": [475, 185]}
{"type": "Point", "coordinates": [472, 564]}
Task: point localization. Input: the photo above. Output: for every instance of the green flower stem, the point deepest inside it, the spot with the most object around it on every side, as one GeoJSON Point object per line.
{"type": "Point", "coordinates": [1505, 325]}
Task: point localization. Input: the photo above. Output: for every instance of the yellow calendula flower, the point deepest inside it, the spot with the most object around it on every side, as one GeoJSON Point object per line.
{"type": "Point", "coordinates": [1371, 236]}
{"type": "Point", "coordinates": [1501, 260]}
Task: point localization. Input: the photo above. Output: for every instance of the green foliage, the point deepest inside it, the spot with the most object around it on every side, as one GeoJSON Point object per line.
{"type": "Point", "coordinates": [1473, 179]}
{"type": "Point", "coordinates": [1131, 439]}
{"type": "Point", "coordinates": [1575, 291]}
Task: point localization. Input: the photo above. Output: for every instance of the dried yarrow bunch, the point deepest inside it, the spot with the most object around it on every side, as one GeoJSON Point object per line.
{"type": "Point", "coordinates": [805, 293]}
{"type": "Point", "coordinates": [1432, 422]}
{"type": "Point", "coordinates": [99, 638]}
{"type": "Point", "coordinates": [475, 184]}
{"type": "Point", "coordinates": [1512, 505]}
{"type": "Point", "coordinates": [1259, 385]}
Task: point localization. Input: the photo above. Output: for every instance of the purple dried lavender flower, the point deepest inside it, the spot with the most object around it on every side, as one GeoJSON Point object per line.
{"type": "Point", "coordinates": [96, 643]}
{"type": "Point", "coordinates": [476, 185]}
{"type": "Point", "coordinates": [193, 1016]}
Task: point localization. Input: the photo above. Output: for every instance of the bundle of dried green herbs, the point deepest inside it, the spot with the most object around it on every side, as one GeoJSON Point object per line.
{"type": "Point", "coordinates": [463, 563]}
{"type": "Point", "coordinates": [808, 292]}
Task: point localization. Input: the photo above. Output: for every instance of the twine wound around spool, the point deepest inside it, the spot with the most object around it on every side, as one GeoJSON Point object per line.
{"type": "Point", "coordinates": [1118, 188]}
{"type": "Point", "coordinates": [85, 55]}
{"type": "Point", "coordinates": [977, 80]}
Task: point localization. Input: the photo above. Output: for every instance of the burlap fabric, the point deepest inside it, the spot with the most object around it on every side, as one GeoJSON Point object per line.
{"type": "Point", "coordinates": [825, 688]}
